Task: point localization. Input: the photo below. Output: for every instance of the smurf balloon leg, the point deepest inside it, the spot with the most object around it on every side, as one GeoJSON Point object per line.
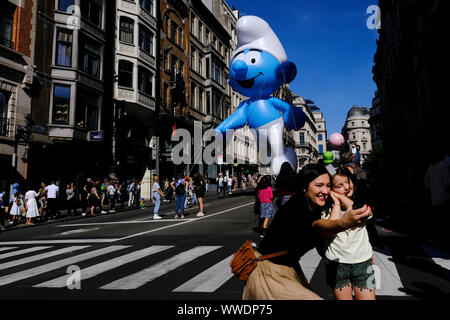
{"type": "Point", "coordinates": [258, 68]}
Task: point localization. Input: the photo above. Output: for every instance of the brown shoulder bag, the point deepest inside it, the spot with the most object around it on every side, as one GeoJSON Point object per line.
{"type": "Point", "coordinates": [245, 261]}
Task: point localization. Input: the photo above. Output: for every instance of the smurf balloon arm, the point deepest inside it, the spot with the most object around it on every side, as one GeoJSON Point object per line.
{"type": "Point", "coordinates": [294, 118]}
{"type": "Point", "coordinates": [236, 120]}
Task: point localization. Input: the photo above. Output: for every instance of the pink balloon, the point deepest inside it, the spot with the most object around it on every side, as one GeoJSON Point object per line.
{"type": "Point", "coordinates": [336, 140]}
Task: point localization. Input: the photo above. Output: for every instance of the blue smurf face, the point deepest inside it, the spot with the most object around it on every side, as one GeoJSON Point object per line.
{"type": "Point", "coordinates": [255, 73]}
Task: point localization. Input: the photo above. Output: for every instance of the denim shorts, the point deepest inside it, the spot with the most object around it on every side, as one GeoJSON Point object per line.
{"type": "Point", "coordinates": [340, 275]}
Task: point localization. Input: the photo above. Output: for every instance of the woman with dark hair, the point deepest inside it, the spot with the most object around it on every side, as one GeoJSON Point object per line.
{"type": "Point", "coordinates": [286, 183]}
{"type": "Point", "coordinates": [296, 228]}
{"type": "Point", "coordinates": [265, 196]}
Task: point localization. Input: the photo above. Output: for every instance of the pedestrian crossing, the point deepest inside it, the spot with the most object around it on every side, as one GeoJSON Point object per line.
{"type": "Point", "coordinates": [130, 268]}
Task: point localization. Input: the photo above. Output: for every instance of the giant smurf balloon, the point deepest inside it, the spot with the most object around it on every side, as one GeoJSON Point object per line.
{"type": "Point", "coordinates": [259, 66]}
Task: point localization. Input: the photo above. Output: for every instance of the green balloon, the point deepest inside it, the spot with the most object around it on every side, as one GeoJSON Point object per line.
{"type": "Point", "coordinates": [328, 157]}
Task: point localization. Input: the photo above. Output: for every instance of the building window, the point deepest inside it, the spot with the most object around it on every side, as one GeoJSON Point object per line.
{"type": "Point", "coordinates": [173, 64]}
{"type": "Point", "coordinates": [200, 64]}
{"type": "Point", "coordinates": [90, 58]}
{"type": "Point", "coordinates": [173, 31]}
{"type": "Point", "coordinates": [87, 110]}
{"type": "Point", "coordinates": [147, 5]}
{"type": "Point", "coordinates": [64, 48]}
{"type": "Point", "coordinates": [353, 123]}
{"type": "Point", "coordinates": [92, 12]}
{"type": "Point", "coordinates": [320, 149]}
{"type": "Point", "coordinates": [193, 64]}
{"type": "Point", "coordinates": [320, 137]}
{"type": "Point", "coordinates": [145, 39]}
{"type": "Point", "coordinates": [125, 74]}
{"type": "Point", "coordinates": [200, 31]}
{"type": "Point", "coordinates": [217, 73]}
{"type": "Point", "coordinates": [302, 138]}
{"type": "Point", "coordinates": [193, 101]}
{"type": "Point", "coordinates": [364, 146]}
{"type": "Point", "coordinates": [6, 24]}
{"type": "Point", "coordinates": [145, 83]}
{"type": "Point", "coordinates": [63, 5]}
{"type": "Point", "coordinates": [208, 68]}
{"type": "Point", "coordinates": [208, 102]}
{"type": "Point", "coordinates": [4, 98]}
{"type": "Point", "coordinates": [207, 38]}
{"type": "Point", "coordinates": [61, 104]}
{"type": "Point", "coordinates": [126, 30]}
{"type": "Point", "coordinates": [193, 24]}
{"type": "Point", "coordinates": [200, 100]}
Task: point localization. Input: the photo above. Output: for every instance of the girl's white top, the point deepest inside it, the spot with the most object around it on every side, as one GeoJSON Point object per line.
{"type": "Point", "coordinates": [349, 246]}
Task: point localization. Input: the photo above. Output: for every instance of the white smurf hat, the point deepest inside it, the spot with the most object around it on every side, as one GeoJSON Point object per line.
{"type": "Point", "coordinates": [255, 33]}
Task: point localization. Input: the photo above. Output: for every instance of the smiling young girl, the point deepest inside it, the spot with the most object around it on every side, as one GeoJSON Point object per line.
{"type": "Point", "coordinates": [349, 264]}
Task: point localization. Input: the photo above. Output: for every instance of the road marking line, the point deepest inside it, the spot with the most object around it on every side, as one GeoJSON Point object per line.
{"type": "Point", "coordinates": [184, 222]}
{"type": "Point", "coordinates": [16, 253]}
{"type": "Point", "coordinates": [10, 278]}
{"type": "Point", "coordinates": [309, 263]}
{"type": "Point", "coordinates": [41, 256]}
{"type": "Point", "coordinates": [97, 269]}
{"type": "Point", "coordinates": [7, 248]}
{"type": "Point", "coordinates": [142, 277]}
{"type": "Point", "coordinates": [63, 241]}
{"type": "Point", "coordinates": [390, 281]}
{"type": "Point", "coordinates": [209, 280]}
{"type": "Point", "coordinates": [439, 257]}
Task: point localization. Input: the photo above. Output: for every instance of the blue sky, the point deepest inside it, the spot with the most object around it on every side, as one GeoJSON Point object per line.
{"type": "Point", "coordinates": [331, 46]}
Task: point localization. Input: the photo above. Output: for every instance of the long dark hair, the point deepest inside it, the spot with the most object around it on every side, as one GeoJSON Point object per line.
{"type": "Point", "coordinates": [287, 178]}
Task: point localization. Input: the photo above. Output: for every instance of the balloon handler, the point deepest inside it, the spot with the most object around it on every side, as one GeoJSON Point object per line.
{"type": "Point", "coordinates": [259, 66]}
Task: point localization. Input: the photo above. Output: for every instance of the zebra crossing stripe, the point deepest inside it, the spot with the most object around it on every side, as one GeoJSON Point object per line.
{"type": "Point", "coordinates": [309, 263]}
{"type": "Point", "coordinates": [386, 274]}
{"type": "Point", "coordinates": [140, 278]}
{"type": "Point", "coordinates": [439, 257]}
{"type": "Point", "coordinates": [10, 278]}
{"type": "Point", "coordinates": [37, 257]}
{"type": "Point", "coordinates": [209, 280]}
{"type": "Point", "coordinates": [97, 269]}
{"type": "Point", "coordinates": [7, 248]}
{"type": "Point", "coordinates": [17, 253]}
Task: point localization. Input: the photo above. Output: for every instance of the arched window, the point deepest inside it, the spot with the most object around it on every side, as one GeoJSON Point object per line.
{"type": "Point", "coordinates": [126, 30]}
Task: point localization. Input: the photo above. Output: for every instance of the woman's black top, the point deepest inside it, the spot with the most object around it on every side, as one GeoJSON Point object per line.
{"type": "Point", "coordinates": [291, 229]}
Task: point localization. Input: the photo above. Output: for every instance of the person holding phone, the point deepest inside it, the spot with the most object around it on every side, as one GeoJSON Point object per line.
{"type": "Point", "coordinates": [349, 256]}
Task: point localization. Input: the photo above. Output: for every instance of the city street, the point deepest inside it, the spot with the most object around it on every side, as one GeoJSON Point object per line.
{"type": "Point", "coordinates": [129, 255]}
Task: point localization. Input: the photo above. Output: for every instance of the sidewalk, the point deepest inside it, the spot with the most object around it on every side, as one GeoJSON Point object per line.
{"type": "Point", "coordinates": [63, 214]}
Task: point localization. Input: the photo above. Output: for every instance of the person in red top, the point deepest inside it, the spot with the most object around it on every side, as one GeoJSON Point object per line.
{"type": "Point", "coordinates": [265, 196]}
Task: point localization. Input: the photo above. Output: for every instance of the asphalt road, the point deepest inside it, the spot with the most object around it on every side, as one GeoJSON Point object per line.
{"type": "Point", "coordinates": [130, 256]}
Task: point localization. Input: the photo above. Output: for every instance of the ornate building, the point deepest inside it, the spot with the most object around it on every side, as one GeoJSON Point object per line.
{"type": "Point", "coordinates": [356, 130]}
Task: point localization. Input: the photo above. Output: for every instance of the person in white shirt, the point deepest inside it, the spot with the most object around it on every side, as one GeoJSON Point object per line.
{"type": "Point", "coordinates": [230, 183]}
{"type": "Point", "coordinates": [52, 191]}
{"type": "Point", "coordinates": [349, 256]}
{"type": "Point", "coordinates": [31, 205]}
{"type": "Point", "coordinates": [111, 190]}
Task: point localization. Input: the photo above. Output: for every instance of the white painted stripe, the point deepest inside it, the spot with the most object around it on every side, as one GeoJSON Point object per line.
{"type": "Point", "coordinates": [37, 257]}
{"type": "Point", "coordinates": [439, 257]}
{"type": "Point", "coordinates": [182, 221]}
{"type": "Point", "coordinates": [14, 277]}
{"type": "Point", "coordinates": [388, 279]}
{"type": "Point", "coordinates": [61, 241]}
{"type": "Point", "coordinates": [7, 248]}
{"type": "Point", "coordinates": [140, 278]}
{"type": "Point", "coordinates": [209, 280]}
{"type": "Point", "coordinates": [97, 269]}
{"type": "Point", "coordinates": [19, 252]}
{"type": "Point", "coordinates": [309, 263]}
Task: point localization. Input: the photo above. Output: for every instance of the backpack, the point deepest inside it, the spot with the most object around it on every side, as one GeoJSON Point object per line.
{"type": "Point", "coordinates": [179, 190]}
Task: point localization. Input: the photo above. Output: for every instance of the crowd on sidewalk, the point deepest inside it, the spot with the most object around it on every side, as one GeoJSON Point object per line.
{"type": "Point", "coordinates": [30, 204]}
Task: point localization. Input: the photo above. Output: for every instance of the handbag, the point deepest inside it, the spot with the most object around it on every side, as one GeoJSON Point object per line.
{"type": "Point", "coordinates": [245, 261]}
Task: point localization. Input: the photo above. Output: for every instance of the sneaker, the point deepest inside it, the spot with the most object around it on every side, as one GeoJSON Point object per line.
{"type": "Point", "coordinates": [200, 214]}
{"type": "Point", "coordinates": [182, 216]}
{"type": "Point", "coordinates": [176, 216]}
{"type": "Point", "coordinates": [156, 217]}
{"type": "Point", "coordinates": [103, 211]}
